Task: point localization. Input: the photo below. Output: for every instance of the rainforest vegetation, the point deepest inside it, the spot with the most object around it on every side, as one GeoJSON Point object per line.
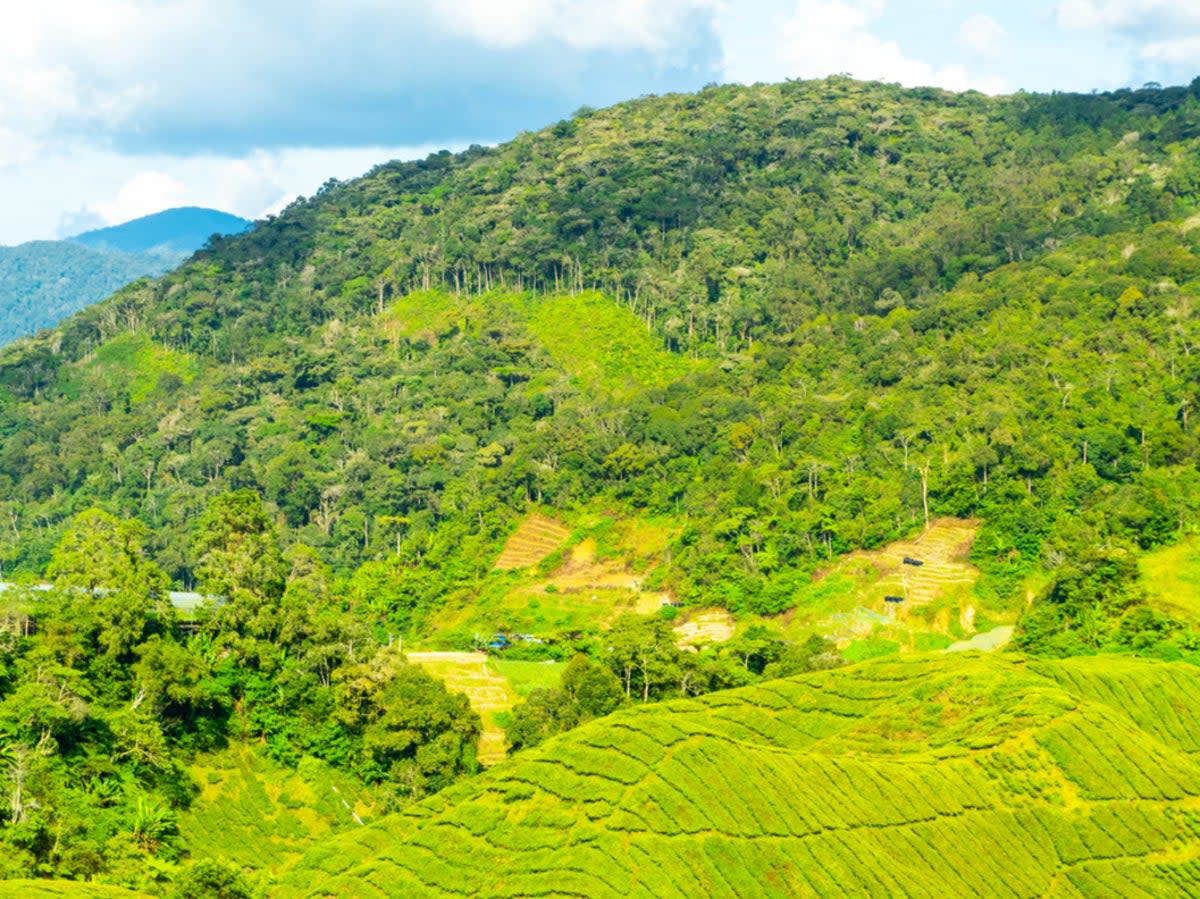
{"type": "Point", "coordinates": [794, 321]}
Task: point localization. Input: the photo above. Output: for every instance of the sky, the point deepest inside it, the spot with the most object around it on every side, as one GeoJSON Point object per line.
{"type": "Point", "coordinates": [112, 109]}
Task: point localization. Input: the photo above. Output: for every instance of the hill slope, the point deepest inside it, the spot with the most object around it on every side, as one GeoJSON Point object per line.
{"type": "Point", "coordinates": [978, 776]}
{"type": "Point", "coordinates": [794, 321]}
{"type": "Point", "coordinates": [43, 282]}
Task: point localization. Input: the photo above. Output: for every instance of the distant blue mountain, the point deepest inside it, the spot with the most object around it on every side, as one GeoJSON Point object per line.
{"type": "Point", "coordinates": [43, 282]}
{"type": "Point", "coordinates": [173, 231]}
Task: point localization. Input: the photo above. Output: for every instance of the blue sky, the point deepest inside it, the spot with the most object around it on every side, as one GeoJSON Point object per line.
{"type": "Point", "coordinates": [110, 109]}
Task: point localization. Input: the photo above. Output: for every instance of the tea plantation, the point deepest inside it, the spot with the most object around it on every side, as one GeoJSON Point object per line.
{"type": "Point", "coordinates": [979, 776]}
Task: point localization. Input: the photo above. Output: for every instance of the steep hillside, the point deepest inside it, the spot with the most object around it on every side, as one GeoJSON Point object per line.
{"type": "Point", "coordinates": [978, 776]}
{"type": "Point", "coordinates": [743, 363]}
{"type": "Point", "coordinates": [823, 313]}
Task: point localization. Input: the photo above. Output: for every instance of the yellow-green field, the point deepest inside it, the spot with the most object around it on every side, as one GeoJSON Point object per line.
{"type": "Point", "coordinates": [62, 889]}
{"type": "Point", "coordinates": [263, 816]}
{"type": "Point", "coordinates": [1171, 577]}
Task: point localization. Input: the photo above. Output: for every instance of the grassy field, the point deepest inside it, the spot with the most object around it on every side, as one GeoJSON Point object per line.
{"type": "Point", "coordinates": [526, 677]}
{"type": "Point", "coordinates": [131, 364]}
{"type": "Point", "coordinates": [1171, 577]}
{"type": "Point", "coordinates": [967, 775]}
{"type": "Point", "coordinates": [603, 345]}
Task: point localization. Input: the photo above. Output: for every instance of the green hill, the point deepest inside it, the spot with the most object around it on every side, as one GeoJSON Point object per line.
{"type": "Point", "coordinates": [799, 319]}
{"type": "Point", "coordinates": [182, 230]}
{"type": "Point", "coordinates": [763, 365]}
{"type": "Point", "coordinates": [978, 776]}
{"type": "Point", "coordinates": [43, 282]}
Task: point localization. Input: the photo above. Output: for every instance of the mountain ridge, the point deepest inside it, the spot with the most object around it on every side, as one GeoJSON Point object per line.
{"type": "Point", "coordinates": [43, 282]}
{"type": "Point", "coordinates": [174, 231]}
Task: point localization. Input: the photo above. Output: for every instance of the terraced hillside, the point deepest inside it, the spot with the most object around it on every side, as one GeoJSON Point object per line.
{"type": "Point", "coordinates": [62, 889]}
{"type": "Point", "coordinates": [847, 601]}
{"type": "Point", "coordinates": [942, 550]}
{"type": "Point", "coordinates": [535, 539]}
{"type": "Point", "coordinates": [933, 776]}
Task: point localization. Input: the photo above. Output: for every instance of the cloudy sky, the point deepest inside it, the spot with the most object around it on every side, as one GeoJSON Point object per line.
{"type": "Point", "coordinates": [111, 109]}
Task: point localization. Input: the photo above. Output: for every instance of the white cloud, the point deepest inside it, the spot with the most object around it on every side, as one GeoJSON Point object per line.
{"type": "Point", "coordinates": [81, 187]}
{"type": "Point", "coordinates": [982, 35]}
{"type": "Point", "coordinates": [584, 24]}
{"type": "Point", "coordinates": [228, 75]}
{"type": "Point", "coordinates": [1112, 15]}
{"type": "Point", "coordinates": [826, 37]}
{"type": "Point", "coordinates": [143, 194]}
{"type": "Point", "coordinates": [1180, 51]}
{"type": "Point", "coordinates": [1160, 37]}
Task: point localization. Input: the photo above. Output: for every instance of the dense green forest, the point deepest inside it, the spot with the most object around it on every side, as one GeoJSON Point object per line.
{"type": "Point", "coordinates": [44, 281]}
{"type": "Point", "coordinates": [782, 323]}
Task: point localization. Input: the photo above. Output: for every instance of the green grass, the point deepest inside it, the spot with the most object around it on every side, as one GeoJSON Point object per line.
{"type": "Point", "coordinates": [1171, 577]}
{"type": "Point", "coordinates": [603, 345]}
{"type": "Point", "coordinates": [426, 314]}
{"type": "Point", "coordinates": [526, 677]}
{"type": "Point", "coordinates": [131, 363]}
{"type": "Point", "coordinates": [923, 775]}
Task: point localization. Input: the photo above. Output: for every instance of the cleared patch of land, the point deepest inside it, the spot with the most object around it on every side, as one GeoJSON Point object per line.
{"type": "Point", "coordinates": [490, 692]}
{"type": "Point", "coordinates": [941, 549]}
{"type": "Point", "coordinates": [848, 601]}
{"type": "Point", "coordinates": [705, 627]}
{"type": "Point", "coordinates": [536, 538]}
{"type": "Point", "coordinates": [1171, 577]}
{"type": "Point", "coordinates": [599, 578]}
{"type": "Point", "coordinates": [1059, 778]}
{"type": "Point", "coordinates": [989, 641]}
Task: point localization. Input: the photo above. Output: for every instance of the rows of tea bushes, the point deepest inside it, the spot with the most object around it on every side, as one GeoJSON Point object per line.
{"type": "Point", "coordinates": [1053, 778]}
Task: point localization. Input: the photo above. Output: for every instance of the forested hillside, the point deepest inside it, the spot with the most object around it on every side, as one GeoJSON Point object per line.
{"type": "Point", "coordinates": [821, 310]}
{"type": "Point", "coordinates": [44, 281]}
{"type": "Point", "coordinates": [696, 392]}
